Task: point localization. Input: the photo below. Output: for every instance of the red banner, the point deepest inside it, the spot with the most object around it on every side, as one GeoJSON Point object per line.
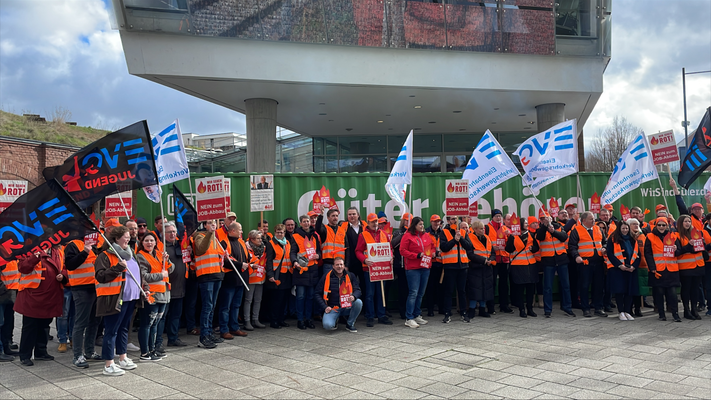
{"type": "Point", "coordinates": [210, 198]}
{"type": "Point", "coordinates": [114, 207]}
{"type": "Point", "coordinates": [381, 269]}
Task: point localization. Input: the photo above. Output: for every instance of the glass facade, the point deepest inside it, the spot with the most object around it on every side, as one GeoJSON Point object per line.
{"type": "Point", "coordinates": [499, 26]}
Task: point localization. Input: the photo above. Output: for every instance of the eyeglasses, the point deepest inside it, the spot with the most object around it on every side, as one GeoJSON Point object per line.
{"type": "Point", "coordinates": [142, 225]}
{"type": "Point", "coordinates": [661, 224]}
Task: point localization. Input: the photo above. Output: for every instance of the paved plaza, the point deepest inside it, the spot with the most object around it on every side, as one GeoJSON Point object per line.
{"type": "Point", "coordinates": [500, 357]}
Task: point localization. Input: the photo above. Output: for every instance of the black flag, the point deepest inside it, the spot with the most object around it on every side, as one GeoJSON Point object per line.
{"type": "Point", "coordinates": [698, 155]}
{"type": "Point", "coordinates": [122, 160]}
{"type": "Point", "coordinates": [39, 219]}
{"type": "Point", "coordinates": [184, 213]}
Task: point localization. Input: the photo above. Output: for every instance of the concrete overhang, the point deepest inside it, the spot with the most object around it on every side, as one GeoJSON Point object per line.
{"type": "Point", "coordinates": [326, 90]}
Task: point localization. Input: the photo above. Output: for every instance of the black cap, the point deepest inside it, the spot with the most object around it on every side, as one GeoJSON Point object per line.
{"type": "Point", "coordinates": [141, 220]}
{"type": "Point", "coordinates": [496, 211]}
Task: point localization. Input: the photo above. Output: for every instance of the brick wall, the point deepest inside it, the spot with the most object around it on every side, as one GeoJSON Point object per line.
{"type": "Point", "coordinates": [25, 159]}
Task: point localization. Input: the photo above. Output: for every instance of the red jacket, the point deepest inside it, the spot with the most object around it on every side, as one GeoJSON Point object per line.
{"type": "Point", "coordinates": [362, 246]}
{"type": "Point", "coordinates": [412, 245]}
{"type": "Point", "coordinates": [46, 300]}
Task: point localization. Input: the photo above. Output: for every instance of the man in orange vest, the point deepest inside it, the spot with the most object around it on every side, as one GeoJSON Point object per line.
{"type": "Point", "coordinates": [371, 234]}
{"type": "Point", "coordinates": [304, 256]}
{"type": "Point", "coordinates": [454, 243]}
{"type": "Point", "coordinates": [498, 233]}
{"type": "Point", "coordinates": [339, 296]}
{"type": "Point", "coordinates": [554, 258]}
{"type": "Point", "coordinates": [10, 278]}
{"type": "Point", "coordinates": [80, 256]}
{"type": "Point", "coordinates": [586, 246]}
{"type": "Point", "coordinates": [232, 288]}
{"type": "Point", "coordinates": [209, 257]}
{"type": "Point", "coordinates": [333, 236]}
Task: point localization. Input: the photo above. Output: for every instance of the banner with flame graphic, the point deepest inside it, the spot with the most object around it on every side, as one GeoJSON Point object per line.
{"type": "Point", "coordinates": [380, 255]}
{"type": "Point", "coordinates": [322, 196]}
{"type": "Point", "coordinates": [669, 245]}
{"type": "Point", "coordinates": [11, 191]}
{"type": "Point", "coordinates": [625, 212]}
{"type": "Point", "coordinates": [697, 239]}
{"type": "Point", "coordinates": [515, 224]}
{"type": "Point", "coordinates": [210, 198]}
{"type": "Point", "coordinates": [456, 195]}
{"type": "Point", "coordinates": [595, 203]}
{"type": "Point", "coordinates": [553, 207]}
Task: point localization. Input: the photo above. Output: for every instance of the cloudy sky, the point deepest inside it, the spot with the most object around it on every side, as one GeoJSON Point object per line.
{"type": "Point", "coordinates": [65, 54]}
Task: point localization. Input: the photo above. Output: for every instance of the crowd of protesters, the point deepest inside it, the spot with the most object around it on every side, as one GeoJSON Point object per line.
{"type": "Point", "coordinates": [223, 281]}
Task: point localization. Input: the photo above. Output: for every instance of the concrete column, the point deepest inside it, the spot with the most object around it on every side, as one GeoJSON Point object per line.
{"type": "Point", "coordinates": [261, 134]}
{"type": "Point", "coordinates": [549, 115]}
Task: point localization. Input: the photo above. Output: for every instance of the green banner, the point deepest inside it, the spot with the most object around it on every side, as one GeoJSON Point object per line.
{"type": "Point", "coordinates": [365, 191]}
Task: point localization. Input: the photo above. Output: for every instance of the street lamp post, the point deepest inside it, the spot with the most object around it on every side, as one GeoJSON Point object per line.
{"type": "Point", "coordinates": [685, 122]}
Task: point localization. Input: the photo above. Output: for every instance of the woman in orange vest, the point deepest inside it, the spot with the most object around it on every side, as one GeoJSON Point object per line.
{"type": "Point", "coordinates": [623, 262]}
{"type": "Point", "coordinates": [691, 265]}
{"type": "Point", "coordinates": [533, 225]}
{"type": "Point", "coordinates": [257, 276]}
{"type": "Point", "coordinates": [305, 253]}
{"type": "Point", "coordinates": [155, 267]}
{"type": "Point", "coordinates": [660, 252]}
{"type": "Point", "coordinates": [523, 270]}
{"type": "Point", "coordinates": [40, 298]}
{"type": "Point", "coordinates": [643, 275]}
{"type": "Point", "coordinates": [480, 276]}
{"type": "Point", "coordinates": [278, 275]}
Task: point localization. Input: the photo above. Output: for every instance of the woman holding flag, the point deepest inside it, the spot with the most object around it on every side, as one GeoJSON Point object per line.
{"type": "Point", "coordinates": [155, 267]}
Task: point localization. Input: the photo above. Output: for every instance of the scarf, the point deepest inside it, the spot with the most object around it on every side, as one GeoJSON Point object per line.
{"type": "Point", "coordinates": [258, 250]}
{"type": "Point", "coordinates": [627, 245]}
{"type": "Point", "coordinates": [281, 241]}
{"type": "Point", "coordinates": [124, 254]}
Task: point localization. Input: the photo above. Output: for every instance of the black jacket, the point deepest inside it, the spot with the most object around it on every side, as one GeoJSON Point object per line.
{"type": "Point", "coordinates": [668, 278]}
{"type": "Point", "coordinates": [573, 248]}
{"type": "Point", "coordinates": [238, 257]}
{"type": "Point", "coordinates": [285, 280]}
{"type": "Point", "coordinates": [522, 274]}
{"type": "Point", "coordinates": [354, 265]}
{"type": "Point", "coordinates": [561, 236]}
{"type": "Point", "coordinates": [334, 286]}
{"type": "Point", "coordinates": [447, 245]}
{"type": "Point", "coordinates": [310, 277]}
{"type": "Point", "coordinates": [480, 277]}
{"type": "Point", "coordinates": [395, 242]}
{"type": "Point", "coordinates": [177, 277]}
{"type": "Point", "coordinates": [73, 259]}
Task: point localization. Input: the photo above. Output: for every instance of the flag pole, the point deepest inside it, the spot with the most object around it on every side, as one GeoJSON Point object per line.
{"type": "Point", "coordinates": [123, 205]}
{"type": "Point", "coordinates": [664, 196]}
{"type": "Point", "coordinates": [162, 215]}
{"type": "Point", "coordinates": [540, 205]}
{"type": "Point", "coordinates": [246, 286]}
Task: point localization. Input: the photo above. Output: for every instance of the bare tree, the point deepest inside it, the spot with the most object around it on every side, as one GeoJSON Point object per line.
{"type": "Point", "coordinates": [609, 144]}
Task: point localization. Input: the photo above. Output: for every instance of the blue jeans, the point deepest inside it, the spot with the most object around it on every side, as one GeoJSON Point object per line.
{"type": "Point", "coordinates": [116, 331]}
{"type": "Point", "coordinates": [373, 289]}
{"type": "Point", "coordinates": [150, 315]}
{"type": "Point", "coordinates": [161, 327]}
{"type": "Point", "coordinates": [473, 304]}
{"type": "Point", "coordinates": [208, 294]}
{"type": "Point", "coordinates": [329, 320]}
{"type": "Point", "coordinates": [304, 302]}
{"type": "Point", "coordinates": [172, 319]}
{"type": "Point", "coordinates": [190, 303]}
{"type": "Point", "coordinates": [417, 284]}
{"type": "Point", "coordinates": [65, 323]}
{"type": "Point", "coordinates": [563, 282]}
{"type": "Point", "coordinates": [230, 302]}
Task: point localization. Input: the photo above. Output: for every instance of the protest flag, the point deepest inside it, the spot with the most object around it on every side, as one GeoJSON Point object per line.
{"type": "Point", "coordinates": [39, 219]}
{"type": "Point", "coordinates": [634, 167]}
{"type": "Point", "coordinates": [401, 174]}
{"type": "Point", "coordinates": [184, 213]}
{"type": "Point", "coordinates": [550, 154]}
{"type": "Point", "coordinates": [488, 166]}
{"type": "Point", "coordinates": [698, 155]}
{"type": "Point", "coordinates": [122, 158]}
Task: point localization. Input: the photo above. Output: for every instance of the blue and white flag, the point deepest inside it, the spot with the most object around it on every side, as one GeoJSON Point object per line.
{"type": "Point", "coordinates": [553, 152]}
{"type": "Point", "coordinates": [401, 174]}
{"type": "Point", "coordinates": [488, 167]}
{"type": "Point", "coordinates": [634, 167]}
{"type": "Point", "coordinates": [153, 193]}
{"type": "Point", "coordinates": [171, 163]}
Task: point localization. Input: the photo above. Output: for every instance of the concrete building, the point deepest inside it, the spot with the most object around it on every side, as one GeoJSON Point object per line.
{"type": "Point", "coordinates": [354, 76]}
{"type": "Point", "coordinates": [224, 141]}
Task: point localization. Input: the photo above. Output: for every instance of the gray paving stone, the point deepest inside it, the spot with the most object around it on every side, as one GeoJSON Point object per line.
{"type": "Point", "coordinates": [633, 392]}
{"type": "Point", "coordinates": [412, 382]}
{"type": "Point", "coordinates": [512, 392]}
{"type": "Point", "coordinates": [592, 384]}
{"type": "Point", "coordinates": [555, 389]}
{"type": "Point", "coordinates": [403, 393]}
{"type": "Point", "coordinates": [481, 385]}
{"type": "Point", "coordinates": [593, 395]}
{"type": "Point", "coordinates": [443, 389]}
{"type": "Point", "coordinates": [591, 373]}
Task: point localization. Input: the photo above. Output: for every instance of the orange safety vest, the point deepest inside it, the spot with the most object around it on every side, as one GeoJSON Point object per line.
{"type": "Point", "coordinates": [619, 256]}
{"type": "Point", "coordinates": [33, 279]}
{"type": "Point", "coordinates": [156, 267]}
{"type": "Point", "coordinates": [302, 249]}
{"type": "Point", "coordinates": [11, 275]}
{"type": "Point", "coordinates": [258, 274]}
{"type": "Point", "coordinates": [612, 227]}
{"type": "Point", "coordinates": [479, 248]}
{"type": "Point", "coordinates": [641, 239]}
{"type": "Point", "coordinates": [457, 253]}
{"type": "Point", "coordinates": [159, 243]}
{"type": "Point", "coordinates": [222, 236]}
{"type": "Point", "coordinates": [663, 263]}
{"type": "Point", "coordinates": [551, 246]}
{"type": "Point", "coordinates": [588, 245]}
{"type": "Point", "coordinates": [368, 237]}
{"type": "Point", "coordinates": [84, 275]}
{"type": "Point", "coordinates": [327, 286]}
{"type": "Point", "coordinates": [689, 260]}
{"type": "Point", "coordinates": [504, 233]}
{"type": "Point", "coordinates": [435, 243]}
{"type": "Point", "coordinates": [335, 245]}
{"type": "Point", "coordinates": [211, 261]}
{"type": "Point", "coordinates": [523, 255]}
{"type": "Point", "coordinates": [281, 256]}
{"type": "Point", "coordinates": [113, 287]}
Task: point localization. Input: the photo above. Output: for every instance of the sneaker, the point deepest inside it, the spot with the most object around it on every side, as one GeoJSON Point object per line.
{"type": "Point", "coordinates": [410, 323]}
{"type": "Point", "coordinates": [216, 339]}
{"type": "Point", "coordinates": [150, 356]}
{"type": "Point", "coordinates": [132, 347]}
{"type": "Point", "coordinates": [94, 357]}
{"type": "Point", "coordinates": [629, 317]}
{"type": "Point", "coordinates": [370, 322]}
{"type": "Point", "coordinates": [161, 354]}
{"type": "Point", "coordinates": [623, 316]}
{"type": "Point", "coordinates": [600, 313]}
{"type": "Point", "coordinates": [80, 362]}
{"type": "Point", "coordinates": [586, 314]}
{"type": "Point", "coordinates": [447, 319]}
{"type": "Point", "coordinates": [569, 313]}
{"type": "Point", "coordinates": [113, 370]}
{"type": "Point", "coordinates": [127, 364]}
{"type": "Point", "coordinates": [506, 310]}
{"type": "Point", "coordinates": [466, 318]}
{"type": "Point", "coordinates": [420, 320]}
{"type": "Point", "coordinates": [385, 321]}
{"type": "Point", "coordinates": [206, 343]}
{"type": "Point", "coordinates": [548, 315]}
{"type": "Point", "coordinates": [351, 328]}
{"type": "Point", "coordinates": [177, 343]}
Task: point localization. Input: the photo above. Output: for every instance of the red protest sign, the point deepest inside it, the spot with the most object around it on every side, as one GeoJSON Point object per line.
{"type": "Point", "coordinates": [210, 198]}
{"type": "Point", "coordinates": [515, 224]}
{"type": "Point", "coordinates": [625, 212]}
{"type": "Point", "coordinates": [553, 207]}
{"type": "Point", "coordinates": [474, 209]}
{"type": "Point", "coordinates": [11, 190]}
{"type": "Point", "coordinates": [697, 240]}
{"type": "Point", "coordinates": [456, 195]}
{"type": "Point", "coordinates": [669, 246]}
{"type": "Point", "coordinates": [595, 203]}
{"type": "Point", "coordinates": [115, 205]}
{"type": "Point", "coordinates": [381, 269]}
{"type": "Point", "coordinates": [663, 148]}
{"type": "Point", "coordinates": [321, 197]}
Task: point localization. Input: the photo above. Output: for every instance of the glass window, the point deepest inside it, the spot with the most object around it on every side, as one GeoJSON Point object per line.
{"type": "Point", "coordinates": [457, 163]}
{"type": "Point", "coordinates": [325, 146]}
{"type": "Point", "coordinates": [427, 144]}
{"type": "Point", "coordinates": [426, 164]}
{"type": "Point", "coordinates": [363, 164]}
{"type": "Point", "coordinates": [363, 144]}
{"type": "Point", "coordinates": [325, 164]}
{"type": "Point", "coordinates": [574, 18]}
{"type": "Point", "coordinates": [461, 142]}
{"type": "Point", "coordinates": [395, 143]}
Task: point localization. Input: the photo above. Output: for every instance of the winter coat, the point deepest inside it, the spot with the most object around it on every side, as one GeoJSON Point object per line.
{"type": "Point", "coordinates": [412, 245]}
{"type": "Point", "coordinates": [480, 277]}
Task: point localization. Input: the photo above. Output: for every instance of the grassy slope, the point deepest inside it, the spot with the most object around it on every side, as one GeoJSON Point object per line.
{"type": "Point", "coordinates": [20, 127]}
